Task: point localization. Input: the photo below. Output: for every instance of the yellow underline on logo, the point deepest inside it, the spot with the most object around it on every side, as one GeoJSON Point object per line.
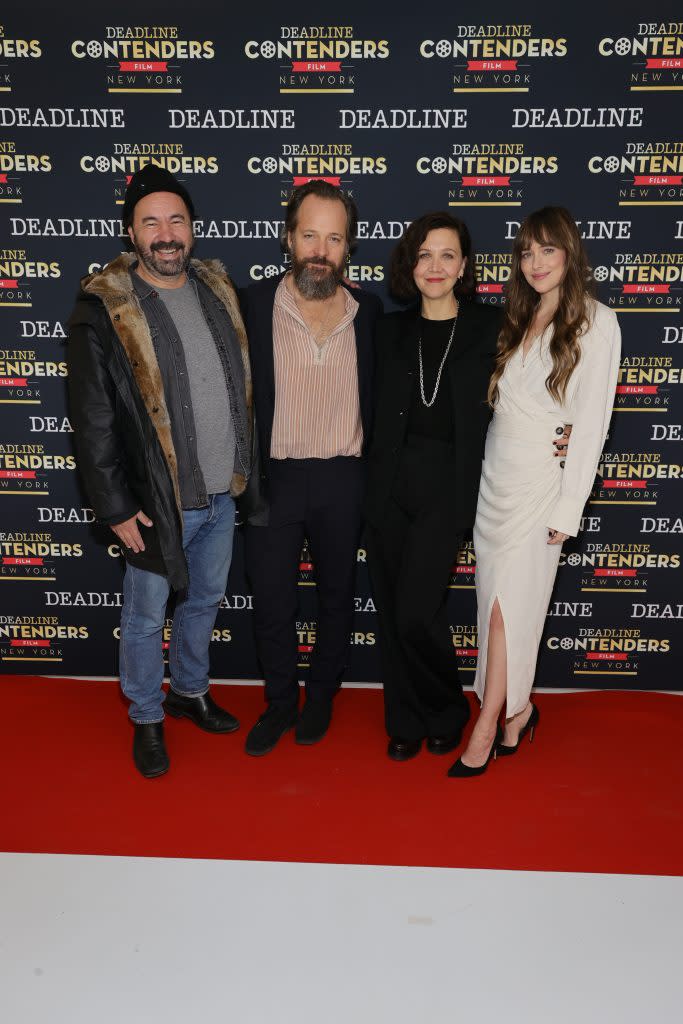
{"type": "Point", "coordinates": [303, 583]}
{"type": "Point", "coordinates": [10, 200]}
{"type": "Point", "coordinates": [29, 494]}
{"type": "Point", "coordinates": [493, 89]}
{"type": "Point", "coordinates": [485, 204]}
{"type": "Point", "coordinates": [316, 90]}
{"type": "Point", "coordinates": [465, 668]}
{"type": "Point", "coordinates": [652, 202]}
{"type": "Point", "coordinates": [643, 309]}
{"type": "Point", "coordinates": [601, 672]}
{"type": "Point", "coordinates": [17, 305]}
{"type": "Point", "coordinates": [656, 88]}
{"type": "Point", "coordinates": [651, 409]}
{"type": "Point", "coordinates": [32, 579]}
{"type": "Point", "coordinates": [119, 202]}
{"type": "Point", "coordinates": [596, 502]}
{"type": "Point", "coordinates": [612, 590]}
{"type": "Point", "coordinates": [19, 401]}
{"type": "Point", "coordinates": [460, 586]}
{"type": "Point", "coordinates": [5, 88]}
{"type": "Point", "coordinates": [145, 90]}
{"type": "Point", "coordinates": [31, 659]}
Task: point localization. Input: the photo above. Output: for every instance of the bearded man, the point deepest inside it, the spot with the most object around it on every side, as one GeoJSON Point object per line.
{"type": "Point", "coordinates": [160, 397]}
{"type": "Point", "coordinates": [311, 343]}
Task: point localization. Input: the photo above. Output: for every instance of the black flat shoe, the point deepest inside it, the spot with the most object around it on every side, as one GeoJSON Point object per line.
{"type": "Point", "coordinates": [203, 711]}
{"type": "Point", "coordinates": [400, 749]}
{"type": "Point", "coordinates": [459, 770]}
{"type": "Point", "coordinates": [443, 744]}
{"type": "Point", "coordinates": [530, 728]}
{"type": "Point", "coordinates": [149, 750]}
{"type": "Point", "coordinates": [269, 729]}
{"type": "Point", "coordinates": [314, 721]}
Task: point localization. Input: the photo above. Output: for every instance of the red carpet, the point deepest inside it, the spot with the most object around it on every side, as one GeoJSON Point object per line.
{"type": "Point", "coordinates": [598, 790]}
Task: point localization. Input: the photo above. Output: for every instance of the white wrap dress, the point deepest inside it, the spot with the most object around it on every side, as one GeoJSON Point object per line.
{"type": "Point", "coordinates": [525, 491]}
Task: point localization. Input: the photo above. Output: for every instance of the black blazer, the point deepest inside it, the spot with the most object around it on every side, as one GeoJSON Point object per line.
{"type": "Point", "coordinates": [257, 308]}
{"type": "Point", "coordinates": [469, 367]}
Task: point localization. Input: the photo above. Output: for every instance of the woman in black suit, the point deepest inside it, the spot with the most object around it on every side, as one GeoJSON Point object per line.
{"type": "Point", "coordinates": [433, 367]}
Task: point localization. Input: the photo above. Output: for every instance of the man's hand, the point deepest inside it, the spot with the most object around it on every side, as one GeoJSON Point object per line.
{"type": "Point", "coordinates": [562, 445]}
{"type": "Point", "coordinates": [129, 534]}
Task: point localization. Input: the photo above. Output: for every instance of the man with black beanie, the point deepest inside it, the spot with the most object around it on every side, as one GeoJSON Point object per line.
{"type": "Point", "coordinates": [160, 390]}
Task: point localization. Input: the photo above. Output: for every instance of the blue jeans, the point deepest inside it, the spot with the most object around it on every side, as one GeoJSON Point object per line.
{"type": "Point", "coordinates": [207, 542]}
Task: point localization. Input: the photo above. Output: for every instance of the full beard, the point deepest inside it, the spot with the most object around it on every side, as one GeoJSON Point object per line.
{"type": "Point", "coordinates": [312, 281]}
{"type": "Point", "coordinates": [165, 268]}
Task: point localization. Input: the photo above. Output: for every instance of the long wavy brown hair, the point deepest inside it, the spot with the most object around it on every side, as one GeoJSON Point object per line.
{"type": "Point", "coordinates": [553, 225]}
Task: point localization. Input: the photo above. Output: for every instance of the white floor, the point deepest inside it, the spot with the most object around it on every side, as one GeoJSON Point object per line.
{"type": "Point", "coordinates": [111, 940]}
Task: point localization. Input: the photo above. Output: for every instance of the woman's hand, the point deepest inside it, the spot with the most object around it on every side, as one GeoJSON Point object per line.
{"type": "Point", "coordinates": [557, 537]}
{"type": "Point", "coordinates": [562, 445]}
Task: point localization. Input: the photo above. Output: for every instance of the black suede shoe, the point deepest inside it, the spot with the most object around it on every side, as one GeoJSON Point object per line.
{"type": "Point", "coordinates": [149, 750]}
{"type": "Point", "coordinates": [314, 721]}
{"type": "Point", "coordinates": [400, 749]}
{"type": "Point", "coordinates": [271, 726]}
{"type": "Point", "coordinates": [443, 744]}
{"type": "Point", "coordinates": [203, 711]}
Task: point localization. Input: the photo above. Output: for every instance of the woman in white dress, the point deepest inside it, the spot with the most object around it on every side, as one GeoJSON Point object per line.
{"type": "Point", "coordinates": [557, 364]}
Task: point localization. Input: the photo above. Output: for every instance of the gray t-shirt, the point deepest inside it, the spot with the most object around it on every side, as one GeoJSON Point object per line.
{"type": "Point", "coordinates": [215, 430]}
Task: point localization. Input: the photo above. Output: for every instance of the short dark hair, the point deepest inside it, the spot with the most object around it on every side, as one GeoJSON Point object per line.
{"type": "Point", "coordinates": [404, 256]}
{"type": "Point", "coordinates": [322, 189]}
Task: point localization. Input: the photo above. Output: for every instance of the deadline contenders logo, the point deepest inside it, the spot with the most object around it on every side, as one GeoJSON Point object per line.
{"type": "Point", "coordinates": [128, 157]}
{"type": "Point", "coordinates": [13, 50]}
{"type": "Point", "coordinates": [317, 58]}
{"type": "Point", "coordinates": [656, 52]}
{"type": "Point", "coordinates": [465, 639]}
{"type": "Point", "coordinates": [644, 383]}
{"type": "Point", "coordinates": [33, 556]}
{"type": "Point", "coordinates": [618, 568]}
{"type": "Point", "coordinates": [493, 58]}
{"type": "Point", "coordinates": [632, 478]}
{"type": "Point", "coordinates": [143, 58]}
{"type": "Point", "coordinates": [36, 637]}
{"type": "Point", "coordinates": [649, 173]}
{"type": "Point", "coordinates": [487, 173]}
{"type": "Point", "coordinates": [13, 166]}
{"type": "Point", "coordinates": [609, 651]}
{"type": "Point", "coordinates": [17, 275]}
{"type": "Point", "coordinates": [333, 162]}
{"type": "Point", "coordinates": [462, 572]}
{"type": "Point", "coordinates": [307, 632]}
{"type": "Point", "coordinates": [21, 374]}
{"type": "Point", "coordinates": [643, 282]}
{"type": "Point", "coordinates": [24, 468]}
{"type": "Point", "coordinates": [492, 272]}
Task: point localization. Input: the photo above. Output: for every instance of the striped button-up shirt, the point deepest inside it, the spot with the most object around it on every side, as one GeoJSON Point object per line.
{"type": "Point", "coordinates": [317, 409]}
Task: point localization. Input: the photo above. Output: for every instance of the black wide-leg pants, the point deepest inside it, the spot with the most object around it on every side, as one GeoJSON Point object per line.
{"type": "Point", "coordinates": [410, 558]}
{"type": "Point", "coordinates": [318, 499]}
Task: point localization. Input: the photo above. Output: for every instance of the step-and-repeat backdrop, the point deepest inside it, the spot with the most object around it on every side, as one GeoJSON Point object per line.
{"type": "Point", "coordinates": [481, 111]}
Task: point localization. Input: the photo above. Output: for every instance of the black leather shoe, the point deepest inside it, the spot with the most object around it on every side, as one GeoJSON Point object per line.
{"type": "Point", "coordinates": [271, 726]}
{"type": "Point", "coordinates": [443, 744]}
{"type": "Point", "coordinates": [203, 711]}
{"type": "Point", "coordinates": [314, 721]}
{"type": "Point", "coordinates": [149, 750]}
{"type": "Point", "coordinates": [400, 749]}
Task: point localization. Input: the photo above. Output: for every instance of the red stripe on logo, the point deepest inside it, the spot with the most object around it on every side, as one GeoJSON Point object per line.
{"type": "Point", "coordinates": [615, 572]}
{"type": "Point", "coordinates": [316, 65]}
{"type": "Point", "coordinates": [316, 177]}
{"type": "Point", "coordinates": [637, 389]}
{"type": "Point", "coordinates": [491, 65]}
{"type": "Point", "coordinates": [143, 65]}
{"type": "Point", "coordinates": [646, 289]}
{"type": "Point", "coordinates": [8, 382]}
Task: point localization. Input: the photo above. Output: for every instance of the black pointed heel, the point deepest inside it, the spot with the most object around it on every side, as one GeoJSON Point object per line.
{"type": "Point", "coordinates": [530, 728]}
{"type": "Point", "coordinates": [459, 770]}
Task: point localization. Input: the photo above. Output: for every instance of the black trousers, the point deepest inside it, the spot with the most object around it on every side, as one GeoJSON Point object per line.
{"type": "Point", "coordinates": [410, 558]}
{"type": "Point", "coordinates": [319, 499]}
